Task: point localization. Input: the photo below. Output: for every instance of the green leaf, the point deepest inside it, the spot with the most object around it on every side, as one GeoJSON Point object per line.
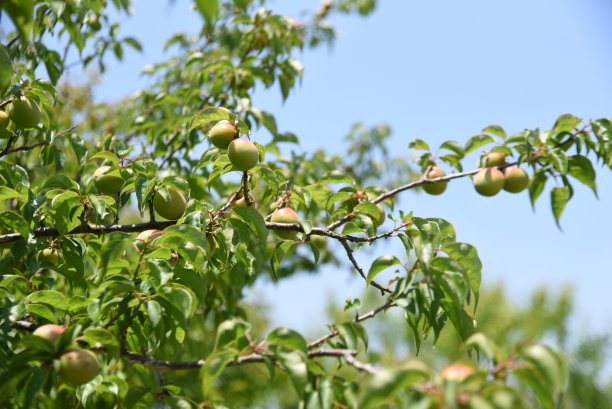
{"type": "Point", "coordinates": [565, 123]}
{"type": "Point", "coordinates": [230, 332]}
{"type": "Point", "coordinates": [295, 365]}
{"type": "Point", "coordinates": [52, 298]}
{"type": "Point", "coordinates": [546, 373]}
{"type": "Point", "coordinates": [213, 368]}
{"type": "Point", "coordinates": [558, 198]}
{"type": "Point", "coordinates": [380, 264]}
{"type": "Point", "coordinates": [287, 339]}
{"type": "Point", "coordinates": [386, 383]}
{"type": "Point", "coordinates": [8, 193]}
{"type": "Point", "coordinates": [495, 130]}
{"type": "Point", "coordinates": [6, 68]}
{"type": "Point", "coordinates": [100, 336]}
{"type": "Point", "coordinates": [477, 141]}
{"type": "Point", "coordinates": [559, 160]}
{"type": "Point", "coordinates": [22, 14]}
{"type": "Point", "coordinates": [480, 342]}
{"type": "Point", "coordinates": [336, 176]}
{"type": "Point", "coordinates": [467, 255]}
{"type": "Point", "coordinates": [453, 146]}
{"type": "Point", "coordinates": [536, 186]}
{"type": "Point", "coordinates": [209, 9]}
{"type": "Point", "coordinates": [209, 116]}
{"type": "Point", "coordinates": [107, 156]}
{"type": "Point", "coordinates": [188, 241]}
{"type": "Point", "coordinates": [253, 219]}
{"type": "Point", "coordinates": [418, 144]}
{"type": "Point", "coordinates": [14, 222]}
{"type": "Point", "coordinates": [581, 168]}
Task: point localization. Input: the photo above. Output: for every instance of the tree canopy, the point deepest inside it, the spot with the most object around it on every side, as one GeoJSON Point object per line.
{"type": "Point", "coordinates": [129, 231]}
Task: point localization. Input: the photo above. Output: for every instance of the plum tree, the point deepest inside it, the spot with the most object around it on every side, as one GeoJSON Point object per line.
{"type": "Point", "coordinates": [107, 180]}
{"type": "Point", "coordinates": [48, 255]}
{"type": "Point", "coordinates": [222, 133]}
{"type": "Point", "coordinates": [516, 179]}
{"type": "Point", "coordinates": [25, 112]}
{"type": "Point", "coordinates": [50, 332]}
{"type": "Point", "coordinates": [172, 207]}
{"type": "Point", "coordinates": [436, 188]}
{"type": "Point", "coordinates": [489, 181]}
{"type": "Point", "coordinates": [176, 322]}
{"type": "Point", "coordinates": [495, 159]}
{"type": "Point", "coordinates": [243, 154]}
{"type": "Point", "coordinates": [79, 366]}
{"type": "Point", "coordinates": [285, 215]}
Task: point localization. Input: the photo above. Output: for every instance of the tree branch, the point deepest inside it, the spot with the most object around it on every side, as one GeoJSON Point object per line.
{"type": "Point", "coordinates": [349, 253]}
{"type": "Point", "coordinates": [409, 186]}
{"type": "Point", "coordinates": [388, 304]}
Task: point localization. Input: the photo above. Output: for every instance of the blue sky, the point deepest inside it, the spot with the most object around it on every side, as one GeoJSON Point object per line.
{"type": "Point", "coordinates": [436, 71]}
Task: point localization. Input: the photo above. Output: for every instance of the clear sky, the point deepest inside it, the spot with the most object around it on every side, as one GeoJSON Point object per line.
{"type": "Point", "coordinates": [443, 70]}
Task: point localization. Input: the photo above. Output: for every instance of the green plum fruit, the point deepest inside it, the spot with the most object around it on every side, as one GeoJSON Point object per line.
{"type": "Point", "coordinates": [436, 188]}
{"type": "Point", "coordinates": [108, 180]}
{"type": "Point", "coordinates": [4, 121]}
{"type": "Point", "coordinates": [517, 179]}
{"type": "Point", "coordinates": [79, 366]}
{"type": "Point", "coordinates": [285, 215]}
{"type": "Point", "coordinates": [48, 255]}
{"type": "Point", "coordinates": [489, 181]}
{"type": "Point", "coordinates": [172, 208]}
{"type": "Point", "coordinates": [243, 154]}
{"type": "Point", "coordinates": [25, 112]}
{"type": "Point", "coordinates": [495, 159]}
{"type": "Point", "coordinates": [222, 133]}
{"type": "Point", "coordinates": [145, 237]}
{"type": "Point", "coordinates": [50, 332]}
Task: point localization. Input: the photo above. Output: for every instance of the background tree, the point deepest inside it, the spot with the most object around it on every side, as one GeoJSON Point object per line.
{"type": "Point", "coordinates": [144, 305]}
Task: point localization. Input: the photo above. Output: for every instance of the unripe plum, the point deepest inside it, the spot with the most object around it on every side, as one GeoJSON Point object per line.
{"type": "Point", "coordinates": [435, 188]}
{"type": "Point", "coordinates": [243, 154]}
{"type": "Point", "coordinates": [107, 181]}
{"type": "Point", "coordinates": [146, 236]}
{"type": "Point", "coordinates": [222, 133]}
{"type": "Point", "coordinates": [25, 112]}
{"type": "Point", "coordinates": [174, 207]}
{"type": "Point", "coordinates": [494, 159]}
{"type": "Point", "coordinates": [79, 366]}
{"type": "Point", "coordinates": [4, 120]}
{"type": "Point", "coordinates": [285, 215]}
{"type": "Point", "coordinates": [489, 181]}
{"type": "Point", "coordinates": [49, 255]}
{"type": "Point", "coordinates": [456, 372]}
{"type": "Point", "coordinates": [517, 179]}
{"type": "Point", "coordinates": [50, 332]}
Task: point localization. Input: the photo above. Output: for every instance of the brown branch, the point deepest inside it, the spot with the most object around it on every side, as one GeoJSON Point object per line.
{"type": "Point", "coordinates": [9, 143]}
{"type": "Point", "coordinates": [388, 304]}
{"type": "Point", "coordinates": [256, 357]}
{"type": "Point", "coordinates": [101, 229]}
{"type": "Point", "coordinates": [91, 229]}
{"type": "Point", "coordinates": [349, 253]}
{"type": "Point", "coordinates": [245, 188]}
{"type": "Point", "coordinates": [409, 186]}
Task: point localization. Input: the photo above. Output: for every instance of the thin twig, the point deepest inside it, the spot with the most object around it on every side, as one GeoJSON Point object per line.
{"type": "Point", "coordinates": [388, 304]}
{"type": "Point", "coordinates": [349, 253]}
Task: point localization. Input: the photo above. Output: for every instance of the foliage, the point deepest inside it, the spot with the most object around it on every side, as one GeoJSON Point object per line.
{"type": "Point", "coordinates": [166, 317]}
